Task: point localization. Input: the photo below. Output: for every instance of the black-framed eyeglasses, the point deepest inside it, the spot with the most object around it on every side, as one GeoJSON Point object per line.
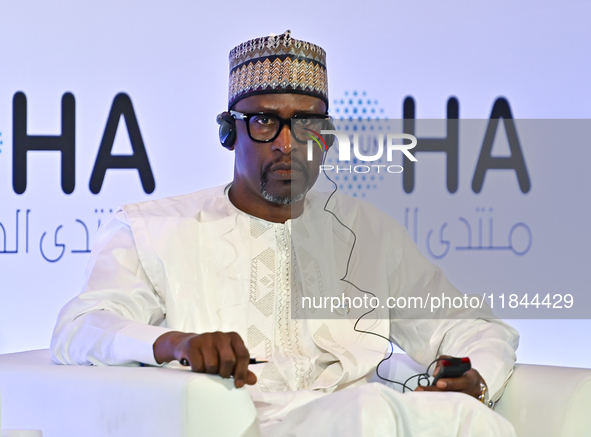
{"type": "Point", "coordinates": [263, 127]}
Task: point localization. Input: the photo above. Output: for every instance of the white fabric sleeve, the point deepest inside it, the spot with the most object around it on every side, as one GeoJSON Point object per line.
{"type": "Point", "coordinates": [114, 321]}
{"type": "Point", "coordinates": [488, 342]}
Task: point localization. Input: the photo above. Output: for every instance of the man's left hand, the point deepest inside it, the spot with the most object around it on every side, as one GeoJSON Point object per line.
{"type": "Point", "coordinates": [470, 383]}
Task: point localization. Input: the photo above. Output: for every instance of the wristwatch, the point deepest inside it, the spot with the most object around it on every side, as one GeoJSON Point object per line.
{"type": "Point", "coordinates": [484, 396]}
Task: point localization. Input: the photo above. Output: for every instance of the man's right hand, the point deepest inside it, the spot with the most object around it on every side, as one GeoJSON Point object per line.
{"type": "Point", "coordinates": [215, 353]}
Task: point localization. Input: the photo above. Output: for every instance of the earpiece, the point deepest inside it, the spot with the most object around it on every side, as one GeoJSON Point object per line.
{"type": "Point", "coordinates": [227, 129]}
{"type": "Point", "coordinates": [330, 126]}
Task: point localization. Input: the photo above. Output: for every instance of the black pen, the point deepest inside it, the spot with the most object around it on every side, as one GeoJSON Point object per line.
{"type": "Point", "coordinates": [185, 362]}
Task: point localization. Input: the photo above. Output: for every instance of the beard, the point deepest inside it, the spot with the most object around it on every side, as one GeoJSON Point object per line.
{"type": "Point", "coordinates": [295, 196]}
{"type": "Point", "coordinates": [281, 200]}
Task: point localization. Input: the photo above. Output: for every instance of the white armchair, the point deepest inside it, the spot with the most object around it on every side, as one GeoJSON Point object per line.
{"type": "Point", "coordinates": [540, 401]}
{"type": "Point", "coordinates": [100, 401]}
{"type": "Point", "coordinates": [74, 401]}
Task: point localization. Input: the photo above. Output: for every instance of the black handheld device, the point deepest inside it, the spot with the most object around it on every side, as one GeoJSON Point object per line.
{"type": "Point", "coordinates": [452, 368]}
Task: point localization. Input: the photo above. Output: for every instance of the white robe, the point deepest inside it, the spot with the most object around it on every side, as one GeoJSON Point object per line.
{"type": "Point", "coordinates": [196, 263]}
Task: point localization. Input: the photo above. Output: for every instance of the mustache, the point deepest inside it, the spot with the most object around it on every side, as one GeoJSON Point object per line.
{"type": "Point", "coordinates": [279, 164]}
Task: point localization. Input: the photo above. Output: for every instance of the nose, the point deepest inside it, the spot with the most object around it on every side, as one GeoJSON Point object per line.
{"type": "Point", "coordinates": [283, 140]}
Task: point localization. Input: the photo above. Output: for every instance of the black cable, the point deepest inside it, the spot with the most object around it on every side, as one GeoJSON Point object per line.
{"type": "Point", "coordinates": [421, 376]}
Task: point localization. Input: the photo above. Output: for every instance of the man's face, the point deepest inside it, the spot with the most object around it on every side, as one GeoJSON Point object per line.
{"type": "Point", "coordinates": [277, 171]}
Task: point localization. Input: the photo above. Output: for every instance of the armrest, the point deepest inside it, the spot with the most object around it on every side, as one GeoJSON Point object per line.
{"type": "Point", "coordinates": [548, 401]}
{"type": "Point", "coordinates": [541, 401]}
{"type": "Point", "coordinates": [97, 401]}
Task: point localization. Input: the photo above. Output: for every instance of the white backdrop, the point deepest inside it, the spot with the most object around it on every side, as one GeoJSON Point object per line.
{"type": "Point", "coordinates": [170, 58]}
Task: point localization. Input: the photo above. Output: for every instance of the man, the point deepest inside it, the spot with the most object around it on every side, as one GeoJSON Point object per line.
{"type": "Point", "coordinates": [216, 277]}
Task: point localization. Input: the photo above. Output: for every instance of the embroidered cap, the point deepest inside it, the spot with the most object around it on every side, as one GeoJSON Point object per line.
{"type": "Point", "coordinates": [277, 64]}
